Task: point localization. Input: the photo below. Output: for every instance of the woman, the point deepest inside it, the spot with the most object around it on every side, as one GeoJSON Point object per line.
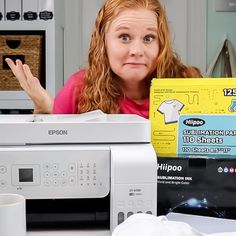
{"type": "Point", "coordinates": [130, 45]}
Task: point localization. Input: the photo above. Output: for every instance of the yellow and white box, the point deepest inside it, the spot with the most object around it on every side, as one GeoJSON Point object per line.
{"type": "Point", "coordinates": [171, 98]}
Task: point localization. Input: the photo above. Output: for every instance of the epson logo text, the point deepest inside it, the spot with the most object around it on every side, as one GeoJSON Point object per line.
{"type": "Point", "coordinates": [168, 168]}
{"type": "Point", "coordinates": [57, 132]}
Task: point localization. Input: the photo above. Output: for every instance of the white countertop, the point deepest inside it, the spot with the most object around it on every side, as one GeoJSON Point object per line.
{"type": "Point", "coordinates": [208, 225]}
{"type": "Point", "coordinates": [69, 233]}
{"type": "Point", "coordinates": [205, 224]}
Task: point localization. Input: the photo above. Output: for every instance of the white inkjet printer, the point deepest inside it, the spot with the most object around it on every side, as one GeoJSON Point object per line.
{"type": "Point", "coordinates": [91, 169]}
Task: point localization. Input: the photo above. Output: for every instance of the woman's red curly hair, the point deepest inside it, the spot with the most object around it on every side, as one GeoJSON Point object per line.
{"type": "Point", "coordinates": [101, 90]}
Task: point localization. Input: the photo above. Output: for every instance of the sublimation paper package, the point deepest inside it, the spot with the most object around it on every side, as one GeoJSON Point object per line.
{"type": "Point", "coordinates": [193, 116]}
{"type": "Point", "coordinates": [207, 134]}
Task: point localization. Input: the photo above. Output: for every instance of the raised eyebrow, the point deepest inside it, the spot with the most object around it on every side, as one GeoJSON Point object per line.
{"type": "Point", "coordinates": [152, 29]}
{"type": "Point", "coordinates": [122, 28]}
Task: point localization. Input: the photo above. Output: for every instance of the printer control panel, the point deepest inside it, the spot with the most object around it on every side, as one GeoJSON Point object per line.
{"type": "Point", "coordinates": [73, 171]}
{"type": "Point", "coordinates": [54, 174]}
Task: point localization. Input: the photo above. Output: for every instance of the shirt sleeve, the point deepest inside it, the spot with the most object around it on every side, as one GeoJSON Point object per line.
{"type": "Point", "coordinates": [179, 105]}
{"type": "Point", "coordinates": [162, 108]}
{"type": "Point", "coordinates": [65, 100]}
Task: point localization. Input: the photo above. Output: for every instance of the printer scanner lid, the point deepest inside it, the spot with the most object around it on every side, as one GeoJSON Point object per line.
{"type": "Point", "coordinates": [90, 127]}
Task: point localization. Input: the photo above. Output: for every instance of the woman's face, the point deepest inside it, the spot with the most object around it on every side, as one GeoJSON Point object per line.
{"type": "Point", "coordinates": [132, 45]}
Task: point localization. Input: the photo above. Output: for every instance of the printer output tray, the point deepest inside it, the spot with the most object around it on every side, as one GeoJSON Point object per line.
{"type": "Point", "coordinates": [68, 213]}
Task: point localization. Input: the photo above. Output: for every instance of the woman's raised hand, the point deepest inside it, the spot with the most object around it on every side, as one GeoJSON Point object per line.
{"type": "Point", "coordinates": [43, 102]}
